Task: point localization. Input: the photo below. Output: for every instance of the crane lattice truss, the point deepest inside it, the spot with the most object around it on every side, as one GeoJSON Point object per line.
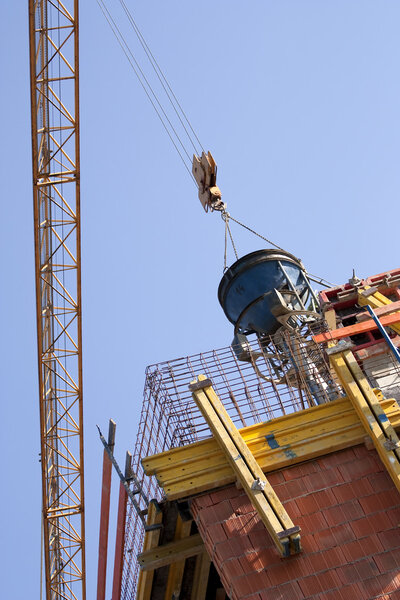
{"type": "Point", "coordinates": [53, 30]}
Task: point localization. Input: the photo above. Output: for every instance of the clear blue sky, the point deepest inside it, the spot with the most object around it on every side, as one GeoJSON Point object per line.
{"type": "Point", "coordinates": [298, 102]}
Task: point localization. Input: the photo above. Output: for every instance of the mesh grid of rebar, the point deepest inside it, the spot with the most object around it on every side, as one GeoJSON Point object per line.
{"type": "Point", "coordinates": [279, 377]}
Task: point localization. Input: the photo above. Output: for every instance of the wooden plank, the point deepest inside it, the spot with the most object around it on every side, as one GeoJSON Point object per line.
{"type": "Point", "coordinates": [239, 466]}
{"type": "Point", "coordinates": [380, 310]}
{"type": "Point", "coordinates": [363, 327]}
{"type": "Point", "coordinates": [251, 462]}
{"type": "Point", "coordinates": [169, 553]}
{"type": "Point", "coordinates": [296, 421]}
{"type": "Point", "coordinates": [151, 539]}
{"type": "Point", "coordinates": [214, 478]}
{"type": "Point", "coordinates": [200, 577]}
{"type": "Point", "coordinates": [247, 471]}
{"type": "Point", "coordinates": [175, 574]}
{"type": "Point", "coordinates": [373, 402]}
{"type": "Point", "coordinates": [374, 420]}
{"type": "Point", "coordinates": [295, 438]}
{"type": "Point", "coordinates": [330, 318]}
{"type": "Point", "coordinates": [380, 304]}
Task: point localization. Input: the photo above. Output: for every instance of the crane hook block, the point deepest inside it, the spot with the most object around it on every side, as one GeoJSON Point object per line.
{"type": "Point", "coordinates": [204, 171]}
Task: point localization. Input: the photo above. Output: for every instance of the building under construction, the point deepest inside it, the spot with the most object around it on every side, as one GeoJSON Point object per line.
{"type": "Point", "coordinates": [270, 469]}
{"type": "Point", "coordinates": [265, 470]}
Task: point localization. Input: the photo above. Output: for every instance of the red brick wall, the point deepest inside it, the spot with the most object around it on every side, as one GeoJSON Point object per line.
{"type": "Point", "coordinates": [349, 513]}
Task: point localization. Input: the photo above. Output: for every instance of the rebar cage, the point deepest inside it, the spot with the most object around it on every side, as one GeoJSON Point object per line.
{"type": "Point", "coordinates": [278, 376]}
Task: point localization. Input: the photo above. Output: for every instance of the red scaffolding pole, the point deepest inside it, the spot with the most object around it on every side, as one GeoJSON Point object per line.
{"type": "Point", "coordinates": [120, 536]}
{"type": "Point", "coordinates": [105, 515]}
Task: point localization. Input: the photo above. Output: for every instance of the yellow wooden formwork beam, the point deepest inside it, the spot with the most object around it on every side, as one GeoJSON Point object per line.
{"type": "Point", "coordinates": [282, 442]}
{"type": "Point", "coordinates": [369, 410]}
{"type": "Point", "coordinates": [330, 318]}
{"type": "Point", "coordinates": [167, 554]}
{"type": "Point", "coordinates": [284, 533]}
{"type": "Point", "coordinates": [151, 539]}
{"type": "Point", "coordinates": [250, 460]}
{"type": "Point", "coordinates": [373, 298]}
{"type": "Point", "coordinates": [175, 574]}
{"type": "Point", "coordinates": [200, 577]}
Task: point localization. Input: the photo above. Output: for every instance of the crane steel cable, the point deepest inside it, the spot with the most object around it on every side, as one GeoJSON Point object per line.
{"type": "Point", "coordinates": [163, 80]}
{"type": "Point", "coordinates": [176, 107]}
{"type": "Point", "coordinates": [227, 216]}
{"type": "Point", "coordinates": [148, 90]}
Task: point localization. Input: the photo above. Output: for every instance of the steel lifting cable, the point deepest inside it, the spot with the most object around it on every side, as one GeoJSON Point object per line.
{"type": "Point", "coordinates": [227, 216]}
{"type": "Point", "coordinates": [144, 82]}
{"type": "Point", "coordinates": [181, 116]}
{"type": "Point", "coordinates": [225, 244]}
{"type": "Point", "coordinates": [254, 232]}
{"type": "Point", "coordinates": [152, 96]}
{"type": "Point", "coordinates": [163, 80]}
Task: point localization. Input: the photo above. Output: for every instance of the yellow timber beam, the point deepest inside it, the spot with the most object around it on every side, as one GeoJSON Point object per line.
{"type": "Point", "coordinates": [175, 574]}
{"type": "Point", "coordinates": [151, 539]}
{"type": "Point", "coordinates": [369, 410]}
{"type": "Point", "coordinates": [330, 318]}
{"type": "Point", "coordinates": [167, 554]}
{"type": "Point", "coordinates": [200, 577]}
{"type": "Point", "coordinates": [370, 296]}
{"type": "Point", "coordinates": [284, 533]}
{"type": "Point", "coordinates": [282, 442]}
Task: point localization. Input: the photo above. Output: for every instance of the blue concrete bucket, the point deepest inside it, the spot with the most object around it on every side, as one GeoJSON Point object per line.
{"type": "Point", "coordinates": [248, 290]}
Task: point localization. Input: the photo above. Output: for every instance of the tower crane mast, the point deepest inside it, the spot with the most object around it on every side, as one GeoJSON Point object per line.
{"type": "Point", "coordinates": [54, 72]}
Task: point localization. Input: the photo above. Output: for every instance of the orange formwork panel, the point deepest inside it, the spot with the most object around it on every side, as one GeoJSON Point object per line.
{"type": "Point", "coordinates": [362, 327]}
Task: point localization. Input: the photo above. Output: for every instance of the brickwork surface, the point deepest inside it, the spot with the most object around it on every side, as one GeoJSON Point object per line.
{"type": "Point", "coordinates": [349, 513]}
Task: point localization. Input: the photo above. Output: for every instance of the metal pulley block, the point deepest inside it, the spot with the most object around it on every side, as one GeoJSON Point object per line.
{"type": "Point", "coordinates": [204, 171]}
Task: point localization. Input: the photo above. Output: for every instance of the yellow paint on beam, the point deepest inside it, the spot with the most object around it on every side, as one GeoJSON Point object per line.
{"type": "Point", "coordinates": [376, 300]}
{"type": "Point", "coordinates": [295, 438]}
{"type": "Point", "coordinates": [175, 574]}
{"type": "Point", "coordinates": [250, 459]}
{"type": "Point", "coordinates": [369, 410]}
{"type": "Point", "coordinates": [170, 553]}
{"type": "Point", "coordinates": [259, 491]}
{"type": "Point", "coordinates": [200, 577]}
{"type": "Point", "coordinates": [330, 318]}
{"type": "Point", "coordinates": [151, 539]}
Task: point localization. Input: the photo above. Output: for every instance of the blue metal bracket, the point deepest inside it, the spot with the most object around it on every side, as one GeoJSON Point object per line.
{"type": "Point", "coordinates": [383, 331]}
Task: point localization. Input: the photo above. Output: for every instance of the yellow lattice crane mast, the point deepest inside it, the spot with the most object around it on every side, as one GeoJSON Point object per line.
{"type": "Point", "coordinates": [53, 28]}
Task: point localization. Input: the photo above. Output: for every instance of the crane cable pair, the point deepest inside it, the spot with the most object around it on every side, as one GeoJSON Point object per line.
{"type": "Point", "coordinates": [150, 93]}
{"type": "Point", "coordinates": [170, 129]}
